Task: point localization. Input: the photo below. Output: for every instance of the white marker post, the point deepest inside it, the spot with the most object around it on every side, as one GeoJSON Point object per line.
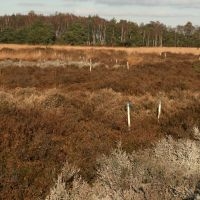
{"type": "Point", "coordinates": [116, 61]}
{"type": "Point", "coordinates": [20, 63]}
{"type": "Point", "coordinates": [165, 55]}
{"type": "Point", "coordinates": [90, 64]}
{"type": "Point", "coordinates": [127, 64]}
{"type": "Point", "coordinates": [159, 110]}
{"type": "Point", "coordinates": [128, 107]}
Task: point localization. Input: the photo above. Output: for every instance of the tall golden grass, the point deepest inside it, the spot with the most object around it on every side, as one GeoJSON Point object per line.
{"type": "Point", "coordinates": [104, 55]}
{"type": "Point", "coordinates": [157, 50]}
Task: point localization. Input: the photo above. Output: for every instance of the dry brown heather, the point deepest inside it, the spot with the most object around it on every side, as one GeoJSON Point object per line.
{"type": "Point", "coordinates": [52, 114]}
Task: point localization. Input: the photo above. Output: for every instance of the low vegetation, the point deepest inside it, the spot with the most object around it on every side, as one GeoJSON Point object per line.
{"type": "Point", "coordinates": [53, 114]}
{"type": "Point", "coordinates": [197, 66]}
{"type": "Point", "coordinates": [170, 170]}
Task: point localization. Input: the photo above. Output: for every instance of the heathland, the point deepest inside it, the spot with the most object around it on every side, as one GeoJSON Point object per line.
{"type": "Point", "coordinates": [65, 106]}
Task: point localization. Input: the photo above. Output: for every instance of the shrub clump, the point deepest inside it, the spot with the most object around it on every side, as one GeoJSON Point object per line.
{"type": "Point", "coordinates": [54, 101]}
{"type": "Point", "coordinates": [169, 171]}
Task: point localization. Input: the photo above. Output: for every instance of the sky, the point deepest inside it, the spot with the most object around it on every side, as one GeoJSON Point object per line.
{"type": "Point", "coordinates": [170, 12]}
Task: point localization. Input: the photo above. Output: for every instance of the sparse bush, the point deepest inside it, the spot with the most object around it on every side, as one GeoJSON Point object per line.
{"type": "Point", "coordinates": [67, 175]}
{"type": "Point", "coordinates": [182, 156]}
{"type": "Point", "coordinates": [196, 132]}
{"type": "Point", "coordinates": [138, 175]}
{"type": "Point", "coordinates": [7, 102]}
{"type": "Point", "coordinates": [54, 101]}
{"type": "Point", "coordinates": [196, 66]}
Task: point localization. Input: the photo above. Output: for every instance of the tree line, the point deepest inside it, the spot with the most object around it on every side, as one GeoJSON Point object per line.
{"type": "Point", "coordinates": [92, 30]}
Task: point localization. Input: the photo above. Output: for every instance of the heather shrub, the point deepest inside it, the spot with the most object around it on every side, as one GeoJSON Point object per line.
{"type": "Point", "coordinates": [54, 101]}
{"type": "Point", "coordinates": [53, 112]}
{"type": "Point", "coordinates": [181, 156]}
{"type": "Point", "coordinates": [59, 190]}
{"type": "Point", "coordinates": [196, 133]}
{"type": "Point", "coordinates": [7, 102]}
{"type": "Point", "coordinates": [169, 171]}
{"type": "Point", "coordinates": [196, 66]}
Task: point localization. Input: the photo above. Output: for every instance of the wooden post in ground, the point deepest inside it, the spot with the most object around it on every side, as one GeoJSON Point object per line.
{"type": "Point", "coordinates": [20, 63]}
{"type": "Point", "coordinates": [159, 110]}
{"type": "Point", "coordinates": [90, 64]}
{"type": "Point", "coordinates": [127, 64]}
{"type": "Point", "coordinates": [128, 107]}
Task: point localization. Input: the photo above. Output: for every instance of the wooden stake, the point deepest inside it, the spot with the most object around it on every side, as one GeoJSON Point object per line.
{"type": "Point", "coordinates": [129, 116]}
{"type": "Point", "coordinates": [127, 64]}
{"type": "Point", "coordinates": [55, 76]}
{"type": "Point", "coordinates": [20, 63]}
{"type": "Point", "coordinates": [90, 64]}
{"type": "Point", "coordinates": [159, 110]}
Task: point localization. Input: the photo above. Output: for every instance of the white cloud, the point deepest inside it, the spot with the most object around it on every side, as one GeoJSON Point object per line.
{"type": "Point", "coordinates": [171, 12]}
{"type": "Point", "coordinates": [190, 3]}
{"type": "Point", "coordinates": [31, 4]}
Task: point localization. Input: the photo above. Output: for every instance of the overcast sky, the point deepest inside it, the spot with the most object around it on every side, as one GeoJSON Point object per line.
{"type": "Point", "coordinates": [170, 12]}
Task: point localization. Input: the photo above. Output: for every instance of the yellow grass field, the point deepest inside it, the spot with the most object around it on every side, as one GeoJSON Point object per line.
{"type": "Point", "coordinates": [106, 55]}
{"type": "Point", "coordinates": [178, 50]}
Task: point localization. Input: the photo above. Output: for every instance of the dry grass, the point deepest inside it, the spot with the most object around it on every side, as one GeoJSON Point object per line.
{"type": "Point", "coordinates": [107, 55]}
{"type": "Point", "coordinates": [146, 50]}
